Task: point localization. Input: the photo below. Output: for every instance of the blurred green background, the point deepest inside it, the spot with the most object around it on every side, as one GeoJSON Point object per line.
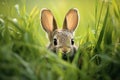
{"type": "Point", "coordinates": [23, 52]}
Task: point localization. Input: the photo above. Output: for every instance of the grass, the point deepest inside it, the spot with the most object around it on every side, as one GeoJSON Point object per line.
{"type": "Point", "coordinates": [23, 55]}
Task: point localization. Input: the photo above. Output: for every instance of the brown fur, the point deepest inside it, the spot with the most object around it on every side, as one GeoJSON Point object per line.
{"type": "Point", "coordinates": [63, 36]}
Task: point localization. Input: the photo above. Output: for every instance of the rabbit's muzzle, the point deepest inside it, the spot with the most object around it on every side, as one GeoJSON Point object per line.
{"type": "Point", "coordinates": [67, 53]}
{"type": "Point", "coordinates": [65, 50]}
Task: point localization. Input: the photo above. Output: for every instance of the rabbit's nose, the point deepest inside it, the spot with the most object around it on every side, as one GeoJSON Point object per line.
{"type": "Point", "coordinates": [65, 50]}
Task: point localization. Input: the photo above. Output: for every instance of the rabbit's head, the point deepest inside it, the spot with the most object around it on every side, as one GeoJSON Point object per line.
{"type": "Point", "coordinates": [61, 39]}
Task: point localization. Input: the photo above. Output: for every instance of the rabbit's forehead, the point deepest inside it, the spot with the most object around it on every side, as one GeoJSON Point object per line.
{"type": "Point", "coordinates": [62, 34]}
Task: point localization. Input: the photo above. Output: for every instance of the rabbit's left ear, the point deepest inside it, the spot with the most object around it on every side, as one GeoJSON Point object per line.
{"type": "Point", "coordinates": [48, 21]}
{"type": "Point", "coordinates": [71, 20]}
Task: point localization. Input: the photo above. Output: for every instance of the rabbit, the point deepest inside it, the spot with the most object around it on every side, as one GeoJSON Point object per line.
{"type": "Point", "coordinates": [61, 39]}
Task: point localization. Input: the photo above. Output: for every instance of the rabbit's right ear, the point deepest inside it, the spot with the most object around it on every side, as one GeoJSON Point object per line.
{"type": "Point", "coordinates": [48, 21]}
{"type": "Point", "coordinates": [71, 20]}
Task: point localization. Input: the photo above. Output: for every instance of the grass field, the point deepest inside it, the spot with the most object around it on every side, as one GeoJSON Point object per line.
{"type": "Point", "coordinates": [23, 52]}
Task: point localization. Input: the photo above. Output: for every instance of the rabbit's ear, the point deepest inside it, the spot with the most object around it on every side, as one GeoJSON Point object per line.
{"type": "Point", "coordinates": [71, 20]}
{"type": "Point", "coordinates": [48, 21]}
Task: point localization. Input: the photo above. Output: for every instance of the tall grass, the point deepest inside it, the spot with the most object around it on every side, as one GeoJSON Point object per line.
{"type": "Point", "coordinates": [23, 55]}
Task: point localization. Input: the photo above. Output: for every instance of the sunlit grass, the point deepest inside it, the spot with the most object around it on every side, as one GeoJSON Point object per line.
{"type": "Point", "coordinates": [23, 52]}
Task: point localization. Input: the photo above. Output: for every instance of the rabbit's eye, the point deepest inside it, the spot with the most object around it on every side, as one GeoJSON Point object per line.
{"type": "Point", "coordinates": [55, 42]}
{"type": "Point", "coordinates": [72, 41]}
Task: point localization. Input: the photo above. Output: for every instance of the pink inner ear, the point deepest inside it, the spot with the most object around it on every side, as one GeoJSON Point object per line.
{"type": "Point", "coordinates": [47, 20]}
{"type": "Point", "coordinates": [72, 20]}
